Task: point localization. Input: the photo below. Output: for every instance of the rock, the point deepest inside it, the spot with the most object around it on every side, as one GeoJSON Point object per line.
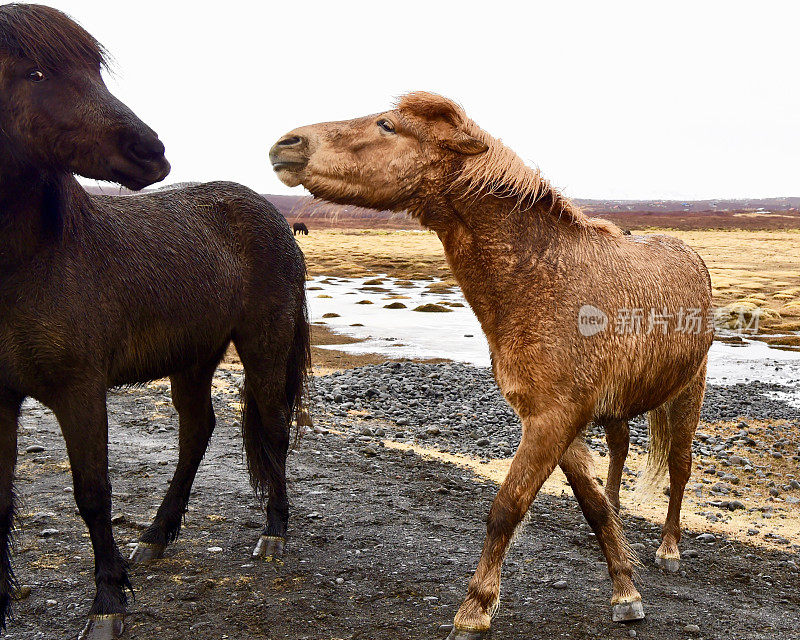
{"type": "Point", "coordinates": [706, 537]}
{"type": "Point", "coordinates": [214, 549]}
{"type": "Point", "coordinates": [22, 592]}
{"type": "Point", "coordinates": [395, 305]}
{"type": "Point", "coordinates": [691, 553]}
{"type": "Point", "coordinates": [691, 628]}
{"type": "Point", "coordinates": [433, 308]}
{"type": "Point", "coordinates": [34, 448]}
{"type": "Point", "coordinates": [48, 533]}
{"type": "Point", "coordinates": [561, 584]}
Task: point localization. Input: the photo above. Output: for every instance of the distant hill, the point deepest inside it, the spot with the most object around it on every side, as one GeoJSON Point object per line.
{"type": "Point", "coordinates": [749, 213]}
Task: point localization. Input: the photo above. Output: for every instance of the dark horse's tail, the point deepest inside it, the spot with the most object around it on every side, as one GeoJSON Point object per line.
{"type": "Point", "coordinates": [266, 438]}
{"type": "Point", "coordinates": [298, 370]}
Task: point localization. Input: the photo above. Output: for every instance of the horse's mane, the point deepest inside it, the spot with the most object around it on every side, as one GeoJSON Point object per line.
{"type": "Point", "coordinates": [48, 37]}
{"type": "Point", "coordinates": [499, 171]}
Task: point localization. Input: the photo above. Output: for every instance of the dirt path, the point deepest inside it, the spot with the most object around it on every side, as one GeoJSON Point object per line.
{"type": "Point", "coordinates": [382, 546]}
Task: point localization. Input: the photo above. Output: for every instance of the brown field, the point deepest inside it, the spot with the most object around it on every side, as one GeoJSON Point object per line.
{"type": "Point", "coordinates": [749, 269]}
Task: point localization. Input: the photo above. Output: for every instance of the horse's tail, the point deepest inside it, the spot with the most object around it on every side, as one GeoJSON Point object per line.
{"type": "Point", "coordinates": [264, 449]}
{"type": "Point", "coordinates": [8, 581]}
{"type": "Point", "coordinates": [657, 464]}
{"type": "Point", "coordinates": [298, 369]}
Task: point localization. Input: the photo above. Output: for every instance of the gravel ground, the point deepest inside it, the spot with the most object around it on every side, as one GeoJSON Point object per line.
{"type": "Point", "coordinates": [382, 542]}
{"type": "Point", "coordinates": [460, 407]}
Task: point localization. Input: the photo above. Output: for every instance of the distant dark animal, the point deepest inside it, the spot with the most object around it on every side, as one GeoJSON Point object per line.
{"type": "Point", "coordinates": [555, 292]}
{"type": "Point", "coordinates": [300, 228]}
{"type": "Point", "coordinates": [103, 291]}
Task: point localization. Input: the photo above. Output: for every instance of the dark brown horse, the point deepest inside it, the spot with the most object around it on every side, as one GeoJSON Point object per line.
{"type": "Point", "coordinates": [299, 227]}
{"type": "Point", "coordinates": [101, 291]}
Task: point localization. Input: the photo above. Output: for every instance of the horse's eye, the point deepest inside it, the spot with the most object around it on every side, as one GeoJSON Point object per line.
{"type": "Point", "coordinates": [387, 126]}
{"type": "Point", "coordinates": [36, 76]}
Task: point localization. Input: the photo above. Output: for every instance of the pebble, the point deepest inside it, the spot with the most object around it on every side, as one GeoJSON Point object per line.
{"type": "Point", "coordinates": [214, 549]}
{"type": "Point", "coordinates": [561, 584]}
{"type": "Point", "coordinates": [23, 592]}
{"type": "Point", "coordinates": [48, 533]}
{"type": "Point", "coordinates": [706, 537]}
{"type": "Point", "coordinates": [34, 448]}
{"type": "Point", "coordinates": [691, 628]}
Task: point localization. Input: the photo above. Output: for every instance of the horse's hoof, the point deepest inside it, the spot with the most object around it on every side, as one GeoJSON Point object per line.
{"type": "Point", "coordinates": [270, 548]}
{"type": "Point", "coordinates": [628, 611]}
{"type": "Point", "coordinates": [670, 565]}
{"type": "Point", "coordinates": [105, 627]}
{"type": "Point", "coordinates": [145, 552]}
{"type": "Point", "coordinates": [468, 634]}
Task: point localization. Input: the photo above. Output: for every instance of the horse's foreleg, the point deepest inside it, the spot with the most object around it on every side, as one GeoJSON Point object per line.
{"type": "Point", "coordinates": [81, 412]}
{"type": "Point", "coordinates": [545, 437]}
{"type": "Point", "coordinates": [9, 414]}
{"type": "Point", "coordinates": [618, 438]}
{"type": "Point", "coordinates": [578, 466]}
{"type": "Point", "coordinates": [191, 395]}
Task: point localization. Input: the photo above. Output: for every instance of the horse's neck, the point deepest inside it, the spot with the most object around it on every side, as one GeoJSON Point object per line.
{"type": "Point", "coordinates": [35, 211]}
{"type": "Point", "coordinates": [494, 249]}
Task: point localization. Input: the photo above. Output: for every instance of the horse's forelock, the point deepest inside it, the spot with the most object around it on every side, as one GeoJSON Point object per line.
{"type": "Point", "coordinates": [48, 37]}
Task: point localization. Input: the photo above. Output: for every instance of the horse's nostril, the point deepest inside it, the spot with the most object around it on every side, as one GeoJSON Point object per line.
{"type": "Point", "coordinates": [290, 141]}
{"type": "Point", "coordinates": [146, 150]}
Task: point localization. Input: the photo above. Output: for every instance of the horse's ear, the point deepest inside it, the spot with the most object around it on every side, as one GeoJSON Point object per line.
{"type": "Point", "coordinates": [464, 144]}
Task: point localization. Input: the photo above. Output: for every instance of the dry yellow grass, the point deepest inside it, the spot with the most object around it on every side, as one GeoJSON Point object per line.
{"type": "Point", "coordinates": [748, 268]}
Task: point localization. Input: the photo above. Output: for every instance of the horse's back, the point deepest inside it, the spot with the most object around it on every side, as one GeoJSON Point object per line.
{"type": "Point", "coordinates": [189, 266]}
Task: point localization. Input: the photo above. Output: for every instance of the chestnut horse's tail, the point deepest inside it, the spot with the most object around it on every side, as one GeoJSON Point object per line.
{"type": "Point", "coordinates": [657, 466]}
{"type": "Point", "coordinates": [672, 427]}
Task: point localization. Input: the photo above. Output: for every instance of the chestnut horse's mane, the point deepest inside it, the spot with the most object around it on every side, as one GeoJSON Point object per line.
{"type": "Point", "coordinates": [47, 37]}
{"type": "Point", "coordinates": [499, 171]}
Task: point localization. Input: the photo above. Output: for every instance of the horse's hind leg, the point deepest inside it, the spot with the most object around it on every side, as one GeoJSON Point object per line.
{"type": "Point", "coordinates": [618, 438]}
{"type": "Point", "coordinates": [9, 413]}
{"type": "Point", "coordinates": [683, 414]}
{"type": "Point", "coordinates": [266, 425]}
{"type": "Point", "coordinates": [81, 412]}
{"type": "Point", "coordinates": [578, 466]}
{"type": "Point", "coordinates": [191, 395]}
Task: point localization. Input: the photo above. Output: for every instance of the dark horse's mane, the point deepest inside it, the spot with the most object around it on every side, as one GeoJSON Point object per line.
{"type": "Point", "coordinates": [48, 37]}
{"type": "Point", "coordinates": [53, 42]}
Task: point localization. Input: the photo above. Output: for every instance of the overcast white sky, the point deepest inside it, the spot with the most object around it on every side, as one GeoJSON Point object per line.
{"type": "Point", "coordinates": [611, 99]}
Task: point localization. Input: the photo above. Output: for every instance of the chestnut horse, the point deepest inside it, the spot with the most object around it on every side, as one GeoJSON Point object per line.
{"type": "Point", "coordinates": [584, 323]}
{"type": "Point", "coordinates": [97, 292]}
